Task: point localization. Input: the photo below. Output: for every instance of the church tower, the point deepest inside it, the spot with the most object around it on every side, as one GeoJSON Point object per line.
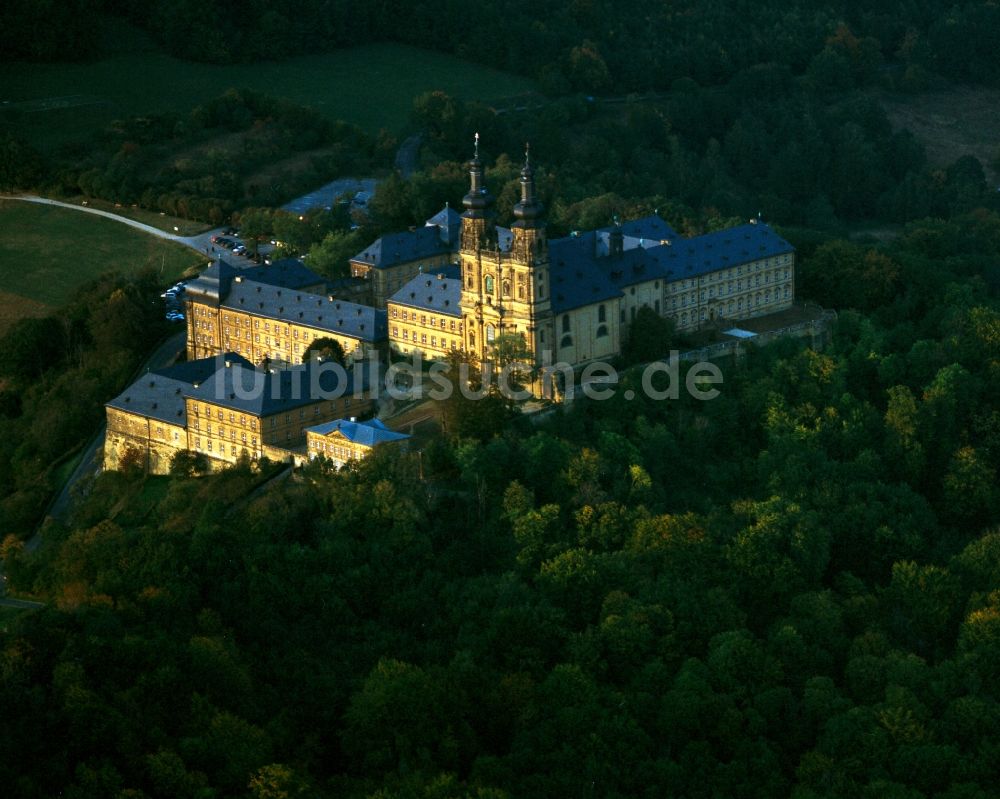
{"type": "Point", "coordinates": [528, 269]}
{"type": "Point", "coordinates": [505, 290]}
{"type": "Point", "coordinates": [479, 256]}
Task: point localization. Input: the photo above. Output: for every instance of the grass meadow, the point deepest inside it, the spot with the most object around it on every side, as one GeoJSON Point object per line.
{"type": "Point", "coordinates": [372, 86]}
{"type": "Point", "coordinates": [47, 253]}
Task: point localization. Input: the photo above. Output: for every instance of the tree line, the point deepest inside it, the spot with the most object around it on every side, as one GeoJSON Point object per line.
{"type": "Point", "coordinates": [591, 46]}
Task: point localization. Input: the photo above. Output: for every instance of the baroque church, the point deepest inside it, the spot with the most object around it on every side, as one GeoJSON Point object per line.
{"type": "Point", "coordinates": [572, 299]}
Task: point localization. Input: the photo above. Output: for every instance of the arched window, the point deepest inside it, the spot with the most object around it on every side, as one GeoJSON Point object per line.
{"type": "Point", "coordinates": [602, 314]}
{"type": "Point", "coordinates": [489, 284]}
{"type": "Point", "coordinates": [491, 334]}
{"type": "Point", "coordinates": [602, 331]}
{"type": "Point", "coordinates": [470, 281]}
{"type": "Point", "coordinates": [565, 323]}
{"type": "Point", "coordinates": [566, 341]}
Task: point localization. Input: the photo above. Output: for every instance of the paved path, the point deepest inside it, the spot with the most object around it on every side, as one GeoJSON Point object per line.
{"type": "Point", "coordinates": [406, 157]}
{"type": "Point", "coordinates": [22, 604]}
{"type": "Point", "coordinates": [202, 243]}
{"type": "Point", "coordinates": [325, 195]}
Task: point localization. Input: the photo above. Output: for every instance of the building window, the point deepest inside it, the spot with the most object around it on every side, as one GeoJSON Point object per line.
{"type": "Point", "coordinates": [602, 315]}
{"type": "Point", "coordinates": [602, 331]}
{"type": "Point", "coordinates": [490, 334]}
{"type": "Point", "coordinates": [489, 284]}
{"type": "Point", "coordinates": [565, 323]}
{"type": "Point", "coordinates": [566, 341]}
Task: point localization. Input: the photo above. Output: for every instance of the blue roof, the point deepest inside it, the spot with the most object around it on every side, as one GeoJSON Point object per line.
{"type": "Point", "coordinates": [393, 249]}
{"type": "Point", "coordinates": [438, 290]}
{"type": "Point", "coordinates": [264, 392]}
{"type": "Point", "coordinates": [336, 316]}
{"type": "Point", "coordinates": [368, 434]}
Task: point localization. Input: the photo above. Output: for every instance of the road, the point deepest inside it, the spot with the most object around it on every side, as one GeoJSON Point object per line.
{"type": "Point", "coordinates": [202, 243]}
{"type": "Point", "coordinates": [406, 157]}
{"type": "Point", "coordinates": [21, 604]}
{"type": "Point", "coordinates": [89, 464]}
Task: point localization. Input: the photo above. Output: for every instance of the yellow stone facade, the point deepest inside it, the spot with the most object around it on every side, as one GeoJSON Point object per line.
{"type": "Point", "coordinates": [280, 329]}
{"type": "Point", "coordinates": [387, 281]}
{"type": "Point", "coordinates": [223, 434]}
{"type": "Point", "coordinates": [340, 450]}
{"type": "Point", "coordinates": [154, 441]}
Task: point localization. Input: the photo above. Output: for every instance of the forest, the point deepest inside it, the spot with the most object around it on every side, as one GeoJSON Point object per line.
{"type": "Point", "coordinates": [793, 589]}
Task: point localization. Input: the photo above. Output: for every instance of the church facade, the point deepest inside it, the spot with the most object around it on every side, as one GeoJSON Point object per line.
{"type": "Point", "coordinates": [518, 295]}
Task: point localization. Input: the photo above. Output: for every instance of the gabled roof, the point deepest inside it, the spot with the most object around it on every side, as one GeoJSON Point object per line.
{"type": "Point", "coordinates": [577, 276]}
{"type": "Point", "coordinates": [449, 224]}
{"type": "Point", "coordinates": [720, 249]}
{"type": "Point", "coordinates": [287, 272]}
{"type": "Point", "coordinates": [368, 434]}
{"type": "Point", "coordinates": [650, 227]}
{"type": "Point", "coordinates": [160, 393]}
{"type": "Point", "coordinates": [213, 284]}
{"type": "Point", "coordinates": [265, 392]}
{"type": "Point", "coordinates": [393, 249]}
{"type": "Point", "coordinates": [438, 290]}
{"type": "Point", "coordinates": [288, 305]}
{"type": "Point", "coordinates": [584, 272]}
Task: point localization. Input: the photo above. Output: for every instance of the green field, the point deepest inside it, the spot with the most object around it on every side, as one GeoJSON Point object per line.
{"type": "Point", "coordinates": [372, 86]}
{"type": "Point", "coordinates": [47, 253]}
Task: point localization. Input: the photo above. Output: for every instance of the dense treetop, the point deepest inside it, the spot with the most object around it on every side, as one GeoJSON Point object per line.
{"type": "Point", "coordinates": [791, 589]}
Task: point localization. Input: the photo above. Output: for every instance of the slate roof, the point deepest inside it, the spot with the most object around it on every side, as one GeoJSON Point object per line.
{"type": "Point", "coordinates": [213, 284]}
{"type": "Point", "coordinates": [287, 272]}
{"type": "Point", "coordinates": [720, 250]}
{"type": "Point", "coordinates": [393, 249]}
{"type": "Point", "coordinates": [337, 316]}
{"type": "Point", "coordinates": [160, 393]}
{"type": "Point", "coordinates": [368, 434]}
{"type": "Point", "coordinates": [438, 290]}
{"type": "Point", "coordinates": [449, 223]}
{"type": "Point", "coordinates": [577, 276]}
{"type": "Point", "coordinates": [264, 392]}
{"type": "Point", "coordinates": [584, 273]}
{"type": "Point", "coordinates": [649, 227]}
